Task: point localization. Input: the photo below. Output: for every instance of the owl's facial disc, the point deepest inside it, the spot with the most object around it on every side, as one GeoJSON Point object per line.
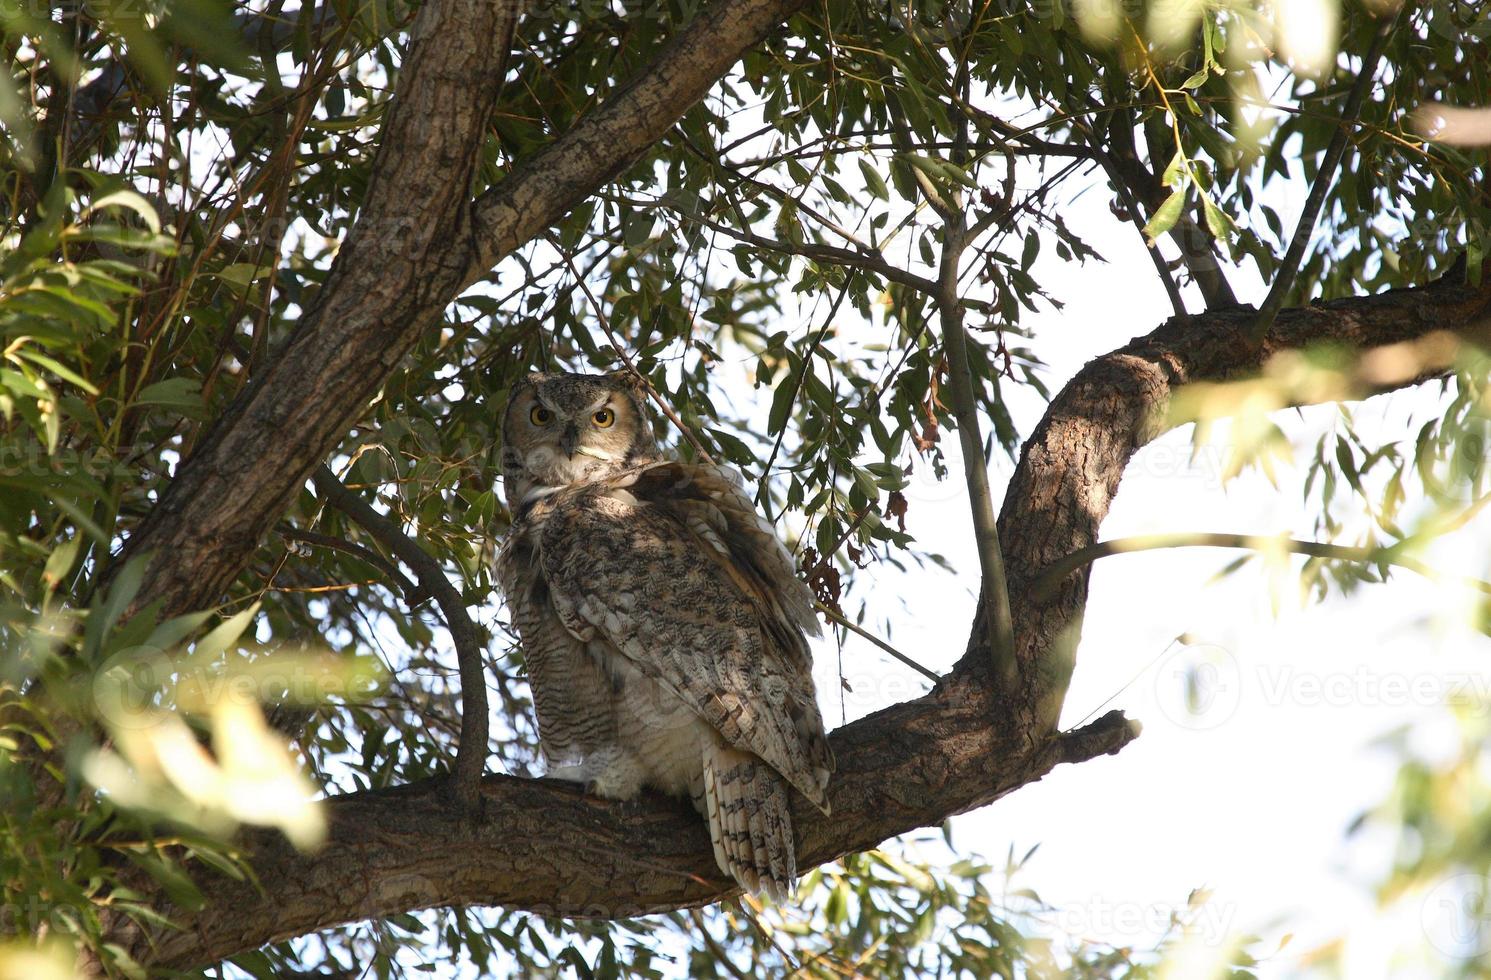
{"type": "Point", "coordinates": [573, 440]}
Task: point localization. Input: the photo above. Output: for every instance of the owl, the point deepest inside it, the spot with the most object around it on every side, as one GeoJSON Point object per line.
{"type": "Point", "coordinates": [662, 623]}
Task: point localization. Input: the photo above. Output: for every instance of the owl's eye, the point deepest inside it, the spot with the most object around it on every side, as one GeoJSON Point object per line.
{"type": "Point", "coordinates": [539, 415]}
{"type": "Point", "coordinates": [604, 418]}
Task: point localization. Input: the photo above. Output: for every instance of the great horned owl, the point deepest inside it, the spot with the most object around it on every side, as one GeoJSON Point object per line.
{"type": "Point", "coordinates": [662, 623]}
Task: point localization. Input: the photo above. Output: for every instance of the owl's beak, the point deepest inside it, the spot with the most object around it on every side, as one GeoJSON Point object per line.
{"type": "Point", "coordinates": [569, 440]}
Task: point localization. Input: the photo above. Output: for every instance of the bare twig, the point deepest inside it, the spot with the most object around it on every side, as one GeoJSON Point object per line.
{"type": "Point", "coordinates": [860, 631]}
{"type": "Point", "coordinates": [996, 600]}
{"type": "Point", "coordinates": [471, 753]}
{"type": "Point", "coordinates": [994, 585]}
{"type": "Point", "coordinates": [413, 593]}
{"type": "Point", "coordinates": [1289, 267]}
{"type": "Point", "coordinates": [1057, 571]}
{"type": "Point", "coordinates": [868, 260]}
{"type": "Point", "coordinates": [1131, 205]}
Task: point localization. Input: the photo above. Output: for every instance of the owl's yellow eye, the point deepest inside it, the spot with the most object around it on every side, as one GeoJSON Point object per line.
{"type": "Point", "coordinates": [539, 415]}
{"type": "Point", "coordinates": [604, 418]}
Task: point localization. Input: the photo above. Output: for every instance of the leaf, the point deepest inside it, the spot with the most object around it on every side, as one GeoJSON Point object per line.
{"type": "Point", "coordinates": [131, 200]}
{"type": "Point", "coordinates": [225, 633]}
{"type": "Point", "coordinates": [1165, 217]}
{"type": "Point", "coordinates": [1218, 222]}
{"type": "Point", "coordinates": [873, 181]}
{"type": "Point", "coordinates": [180, 393]}
{"type": "Point", "coordinates": [61, 370]}
{"type": "Point", "coordinates": [60, 561]}
{"type": "Point", "coordinates": [1174, 170]}
{"type": "Point", "coordinates": [781, 402]}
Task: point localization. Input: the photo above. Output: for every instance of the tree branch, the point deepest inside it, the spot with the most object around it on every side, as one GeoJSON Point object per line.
{"type": "Point", "coordinates": [547, 847]}
{"type": "Point", "coordinates": [552, 850]}
{"type": "Point", "coordinates": [1072, 463]}
{"type": "Point", "coordinates": [471, 751]}
{"type": "Point", "coordinates": [1264, 543]}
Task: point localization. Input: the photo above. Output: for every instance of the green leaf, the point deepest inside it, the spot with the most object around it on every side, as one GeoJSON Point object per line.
{"type": "Point", "coordinates": [1165, 217]}
{"type": "Point", "coordinates": [873, 181]}
{"type": "Point", "coordinates": [225, 634]}
{"type": "Point", "coordinates": [1218, 222]}
{"type": "Point", "coordinates": [130, 200]}
{"type": "Point", "coordinates": [179, 393]}
{"type": "Point", "coordinates": [57, 368]}
{"type": "Point", "coordinates": [1175, 170]}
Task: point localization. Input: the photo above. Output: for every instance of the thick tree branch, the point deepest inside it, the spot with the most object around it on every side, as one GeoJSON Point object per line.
{"type": "Point", "coordinates": [1072, 463]}
{"type": "Point", "coordinates": [550, 849]}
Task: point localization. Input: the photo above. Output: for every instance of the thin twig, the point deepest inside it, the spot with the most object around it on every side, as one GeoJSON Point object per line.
{"type": "Point", "coordinates": [826, 557]}
{"type": "Point", "coordinates": [1288, 269]}
{"type": "Point", "coordinates": [1057, 571]}
{"type": "Point", "coordinates": [869, 261]}
{"type": "Point", "coordinates": [471, 753]}
{"type": "Point", "coordinates": [600, 315]}
{"type": "Point", "coordinates": [859, 631]}
{"type": "Point", "coordinates": [1131, 205]}
{"type": "Point", "coordinates": [412, 592]}
{"type": "Point", "coordinates": [996, 598]}
{"type": "Point", "coordinates": [993, 585]}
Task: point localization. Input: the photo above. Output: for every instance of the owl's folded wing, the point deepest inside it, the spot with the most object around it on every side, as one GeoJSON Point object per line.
{"type": "Point", "coordinates": [672, 567]}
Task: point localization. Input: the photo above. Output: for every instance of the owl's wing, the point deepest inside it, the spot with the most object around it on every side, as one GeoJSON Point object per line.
{"type": "Point", "coordinates": [672, 566]}
{"type": "Point", "coordinates": [570, 688]}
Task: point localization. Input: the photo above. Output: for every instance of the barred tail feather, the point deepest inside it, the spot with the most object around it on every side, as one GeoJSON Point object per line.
{"type": "Point", "coordinates": [746, 806]}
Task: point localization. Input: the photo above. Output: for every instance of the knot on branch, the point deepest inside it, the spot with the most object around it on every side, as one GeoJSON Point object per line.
{"type": "Point", "coordinates": [1105, 736]}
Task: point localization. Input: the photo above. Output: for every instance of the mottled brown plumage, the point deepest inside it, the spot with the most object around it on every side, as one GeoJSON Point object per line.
{"type": "Point", "coordinates": [662, 621]}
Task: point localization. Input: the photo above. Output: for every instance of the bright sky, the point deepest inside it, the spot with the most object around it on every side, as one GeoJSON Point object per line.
{"type": "Point", "coordinates": [1252, 796]}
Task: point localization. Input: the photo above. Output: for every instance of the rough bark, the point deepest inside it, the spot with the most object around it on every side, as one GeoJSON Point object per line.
{"type": "Point", "coordinates": [544, 846]}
